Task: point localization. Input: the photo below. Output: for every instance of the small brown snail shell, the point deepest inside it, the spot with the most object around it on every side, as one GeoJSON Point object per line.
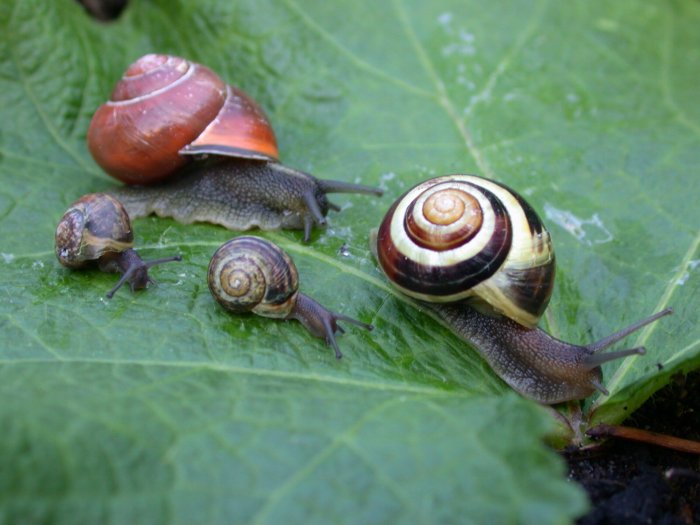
{"type": "Point", "coordinates": [96, 231]}
{"type": "Point", "coordinates": [164, 111]}
{"type": "Point", "coordinates": [250, 274]}
{"type": "Point", "coordinates": [477, 254]}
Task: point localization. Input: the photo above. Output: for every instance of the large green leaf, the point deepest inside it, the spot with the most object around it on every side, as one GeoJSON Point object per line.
{"type": "Point", "coordinates": [160, 407]}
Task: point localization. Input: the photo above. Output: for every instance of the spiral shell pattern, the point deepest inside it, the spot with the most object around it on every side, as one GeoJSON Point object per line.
{"type": "Point", "coordinates": [165, 108]}
{"type": "Point", "coordinates": [250, 274]}
{"type": "Point", "coordinates": [459, 237]}
{"type": "Point", "coordinates": [95, 224]}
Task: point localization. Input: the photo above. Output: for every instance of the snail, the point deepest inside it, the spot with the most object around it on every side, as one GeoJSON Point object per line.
{"type": "Point", "coordinates": [165, 110]}
{"type": "Point", "coordinates": [96, 230]}
{"type": "Point", "coordinates": [477, 254]}
{"type": "Point", "coordinates": [250, 274]}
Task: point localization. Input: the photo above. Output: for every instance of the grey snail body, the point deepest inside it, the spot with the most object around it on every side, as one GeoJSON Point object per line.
{"type": "Point", "coordinates": [96, 231]}
{"type": "Point", "coordinates": [164, 112]}
{"type": "Point", "coordinates": [250, 274]}
{"type": "Point", "coordinates": [478, 255]}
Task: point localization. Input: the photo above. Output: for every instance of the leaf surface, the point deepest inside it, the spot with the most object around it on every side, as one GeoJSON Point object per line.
{"type": "Point", "coordinates": [160, 407]}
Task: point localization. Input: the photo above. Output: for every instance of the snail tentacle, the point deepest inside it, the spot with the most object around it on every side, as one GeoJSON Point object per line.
{"type": "Point", "coordinates": [338, 186]}
{"type": "Point", "coordinates": [96, 230]}
{"type": "Point", "coordinates": [610, 340]}
{"type": "Point", "coordinates": [165, 116]}
{"type": "Point", "coordinates": [322, 322]}
{"type": "Point", "coordinates": [476, 253]}
{"type": "Point", "coordinates": [250, 274]}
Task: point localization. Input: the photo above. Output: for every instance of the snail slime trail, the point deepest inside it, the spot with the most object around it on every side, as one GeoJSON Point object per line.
{"type": "Point", "coordinates": [476, 253]}
{"type": "Point", "coordinates": [166, 110]}
{"type": "Point", "coordinates": [250, 274]}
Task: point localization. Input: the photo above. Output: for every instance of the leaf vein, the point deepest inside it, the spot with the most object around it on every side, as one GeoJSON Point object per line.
{"type": "Point", "coordinates": [316, 460]}
{"type": "Point", "coordinates": [233, 369]}
{"type": "Point", "coordinates": [352, 57]}
{"type": "Point", "coordinates": [443, 98]}
{"type": "Point", "coordinates": [663, 302]}
{"type": "Point", "coordinates": [666, 58]}
{"type": "Point", "coordinates": [31, 96]}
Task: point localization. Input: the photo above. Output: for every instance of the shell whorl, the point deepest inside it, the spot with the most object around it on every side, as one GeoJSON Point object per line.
{"type": "Point", "coordinates": [166, 108]}
{"type": "Point", "coordinates": [93, 225]}
{"type": "Point", "coordinates": [458, 237]}
{"type": "Point", "coordinates": [250, 274]}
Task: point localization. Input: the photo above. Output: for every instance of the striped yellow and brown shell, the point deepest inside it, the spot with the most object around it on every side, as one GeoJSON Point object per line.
{"type": "Point", "coordinates": [463, 237]}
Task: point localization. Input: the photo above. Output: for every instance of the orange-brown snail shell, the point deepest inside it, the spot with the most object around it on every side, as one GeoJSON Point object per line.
{"type": "Point", "coordinates": [164, 111]}
{"type": "Point", "coordinates": [165, 108]}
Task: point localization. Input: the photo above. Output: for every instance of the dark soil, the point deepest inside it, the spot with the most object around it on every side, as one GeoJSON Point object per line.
{"type": "Point", "coordinates": [633, 483]}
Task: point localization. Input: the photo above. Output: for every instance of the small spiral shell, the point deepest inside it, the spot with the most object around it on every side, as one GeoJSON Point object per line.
{"type": "Point", "coordinates": [460, 236]}
{"type": "Point", "coordinates": [165, 108]}
{"type": "Point", "coordinates": [250, 274]}
{"type": "Point", "coordinates": [95, 224]}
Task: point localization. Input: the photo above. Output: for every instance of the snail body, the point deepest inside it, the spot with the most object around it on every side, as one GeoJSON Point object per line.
{"type": "Point", "coordinates": [478, 255]}
{"type": "Point", "coordinates": [96, 231]}
{"type": "Point", "coordinates": [166, 110]}
{"type": "Point", "coordinates": [250, 274]}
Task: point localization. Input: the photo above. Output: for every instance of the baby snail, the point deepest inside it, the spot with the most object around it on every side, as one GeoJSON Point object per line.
{"type": "Point", "coordinates": [249, 274]}
{"type": "Point", "coordinates": [165, 110]}
{"type": "Point", "coordinates": [96, 231]}
{"type": "Point", "coordinates": [480, 257]}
